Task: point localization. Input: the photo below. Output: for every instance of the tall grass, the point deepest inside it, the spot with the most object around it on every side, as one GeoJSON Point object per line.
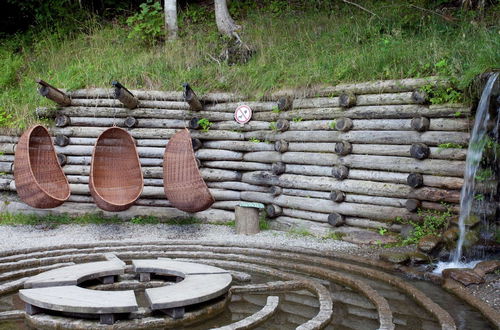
{"type": "Point", "coordinates": [295, 47]}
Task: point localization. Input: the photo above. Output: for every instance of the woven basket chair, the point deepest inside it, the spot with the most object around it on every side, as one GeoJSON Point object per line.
{"type": "Point", "coordinates": [40, 180]}
{"type": "Point", "coordinates": [115, 180]}
{"type": "Point", "coordinates": [183, 184]}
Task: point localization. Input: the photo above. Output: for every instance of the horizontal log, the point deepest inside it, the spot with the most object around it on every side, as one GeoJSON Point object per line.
{"type": "Point", "coordinates": [120, 122]}
{"type": "Point", "coordinates": [7, 158]}
{"type": "Point", "coordinates": [92, 93]}
{"type": "Point", "coordinates": [436, 124]}
{"type": "Point", "coordinates": [7, 148]}
{"type": "Point", "coordinates": [102, 112]}
{"type": "Point", "coordinates": [113, 103]}
{"type": "Point", "coordinates": [407, 111]}
{"type": "Point", "coordinates": [369, 99]}
{"type": "Point", "coordinates": [6, 167]}
{"type": "Point", "coordinates": [431, 138]}
{"type": "Point", "coordinates": [372, 87]}
{"type": "Point", "coordinates": [148, 133]}
{"type": "Point", "coordinates": [231, 107]}
{"type": "Point", "coordinates": [232, 125]}
{"type": "Point", "coordinates": [77, 209]}
{"type": "Point", "coordinates": [8, 139]}
{"type": "Point", "coordinates": [240, 166]}
{"type": "Point", "coordinates": [285, 223]}
{"type": "Point", "coordinates": [384, 213]}
{"type": "Point", "coordinates": [225, 205]}
{"type": "Point", "coordinates": [349, 186]}
{"type": "Point", "coordinates": [232, 185]}
{"type": "Point", "coordinates": [238, 145]}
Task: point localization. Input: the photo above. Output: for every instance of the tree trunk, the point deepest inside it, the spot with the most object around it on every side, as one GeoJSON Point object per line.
{"type": "Point", "coordinates": [171, 19]}
{"type": "Point", "coordinates": [225, 23]}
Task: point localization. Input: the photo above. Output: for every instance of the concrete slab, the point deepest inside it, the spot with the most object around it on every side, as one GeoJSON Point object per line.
{"type": "Point", "coordinates": [165, 266]}
{"type": "Point", "coordinates": [73, 299]}
{"type": "Point", "coordinates": [192, 290]}
{"type": "Point", "coordinates": [73, 275]}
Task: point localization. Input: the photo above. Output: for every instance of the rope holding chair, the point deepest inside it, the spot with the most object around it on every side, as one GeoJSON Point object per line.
{"type": "Point", "coordinates": [40, 180]}
{"type": "Point", "coordinates": [182, 181]}
{"type": "Point", "coordinates": [116, 180]}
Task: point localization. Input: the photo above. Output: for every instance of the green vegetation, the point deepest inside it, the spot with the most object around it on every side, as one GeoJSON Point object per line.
{"type": "Point", "coordinates": [382, 231]}
{"type": "Point", "coordinates": [272, 126]}
{"type": "Point", "coordinates": [205, 124]}
{"type": "Point", "coordinates": [432, 223]}
{"type": "Point", "coordinates": [332, 124]}
{"type": "Point", "coordinates": [254, 140]}
{"type": "Point", "coordinates": [298, 43]}
{"type": "Point", "coordinates": [336, 236]}
{"type": "Point", "coordinates": [449, 145]}
{"type": "Point", "coordinates": [297, 119]}
{"type": "Point", "coordinates": [479, 197]}
{"type": "Point", "coordinates": [484, 174]}
{"type": "Point", "coordinates": [303, 232]}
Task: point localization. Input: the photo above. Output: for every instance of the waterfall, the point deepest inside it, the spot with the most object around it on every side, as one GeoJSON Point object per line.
{"type": "Point", "coordinates": [477, 144]}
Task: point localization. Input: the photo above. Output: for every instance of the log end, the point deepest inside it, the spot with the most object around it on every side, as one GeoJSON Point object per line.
{"type": "Point", "coordinates": [62, 121]}
{"type": "Point", "coordinates": [420, 97]}
{"type": "Point", "coordinates": [413, 205]}
{"type": "Point", "coordinates": [61, 140]}
{"type": "Point", "coordinates": [273, 211]}
{"type": "Point", "coordinates": [131, 122]}
{"type": "Point", "coordinates": [336, 219]}
{"type": "Point", "coordinates": [340, 172]}
{"type": "Point", "coordinates": [347, 100]}
{"type": "Point", "coordinates": [282, 125]}
{"type": "Point", "coordinates": [193, 123]}
{"type": "Point", "coordinates": [415, 180]}
{"type": "Point", "coordinates": [343, 148]}
{"type": "Point", "coordinates": [420, 124]}
{"type": "Point", "coordinates": [275, 190]}
{"type": "Point", "coordinates": [62, 159]}
{"type": "Point", "coordinates": [337, 196]}
{"type": "Point", "coordinates": [343, 124]}
{"type": "Point", "coordinates": [420, 151]}
{"type": "Point", "coordinates": [281, 146]}
{"type": "Point", "coordinates": [285, 103]}
{"type": "Point", "coordinates": [197, 144]}
{"type": "Point", "coordinates": [278, 168]}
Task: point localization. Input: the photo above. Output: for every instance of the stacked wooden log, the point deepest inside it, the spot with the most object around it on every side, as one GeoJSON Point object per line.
{"type": "Point", "coordinates": [351, 155]}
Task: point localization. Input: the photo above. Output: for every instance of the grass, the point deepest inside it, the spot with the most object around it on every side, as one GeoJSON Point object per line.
{"type": "Point", "coordinates": [295, 47]}
{"type": "Point", "coordinates": [9, 219]}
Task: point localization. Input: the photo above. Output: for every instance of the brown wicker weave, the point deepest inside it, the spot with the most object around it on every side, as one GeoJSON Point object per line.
{"type": "Point", "coordinates": [115, 173]}
{"type": "Point", "coordinates": [183, 183]}
{"type": "Point", "coordinates": [40, 181]}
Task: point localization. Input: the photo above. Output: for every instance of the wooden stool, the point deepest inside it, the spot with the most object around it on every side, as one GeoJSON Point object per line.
{"type": "Point", "coordinates": [247, 218]}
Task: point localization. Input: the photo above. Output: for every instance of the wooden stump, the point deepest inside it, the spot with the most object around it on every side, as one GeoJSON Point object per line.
{"type": "Point", "coordinates": [275, 190]}
{"type": "Point", "coordinates": [125, 96]}
{"type": "Point", "coordinates": [420, 151]}
{"type": "Point", "coordinates": [53, 93]}
{"type": "Point", "coordinates": [247, 220]}
{"type": "Point", "coordinates": [281, 146]}
{"type": "Point", "coordinates": [340, 172]}
{"type": "Point", "coordinates": [420, 97]}
{"type": "Point", "coordinates": [278, 168]}
{"type": "Point", "coordinates": [415, 180]}
{"type": "Point", "coordinates": [61, 140]}
{"type": "Point", "coordinates": [191, 98]}
{"type": "Point", "coordinates": [282, 125]}
{"type": "Point", "coordinates": [336, 219]}
{"type": "Point", "coordinates": [343, 124]}
{"type": "Point", "coordinates": [420, 124]}
{"type": "Point", "coordinates": [412, 205]}
{"type": "Point", "coordinates": [337, 196]}
{"type": "Point", "coordinates": [273, 211]}
{"type": "Point", "coordinates": [62, 121]}
{"type": "Point", "coordinates": [131, 122]}
{"type": "Point", "coordinates": [347, 100]}
{"type": "Point", "coordinates": [343, 148]}
{"type": "Point", "coordinates": [62, 159]}
{"type": "Point", "coordinates": [193, 123]}
{"type": "Point", "coordinates": [197, 144]}
{"type": "Point", "coordinates": [284, 103]}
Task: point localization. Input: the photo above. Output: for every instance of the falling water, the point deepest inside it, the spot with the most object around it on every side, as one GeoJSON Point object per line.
{"type": "Point", "coordinates": [477, 144]}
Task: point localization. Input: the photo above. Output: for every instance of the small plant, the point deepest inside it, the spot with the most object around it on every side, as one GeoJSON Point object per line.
{"type": "Point", "coordinates": [204, 124]}
{"type": "Point", "coordinates": [484, 174]}
{"type": "Point", "coordinates": [5, 118]}
{"type": "Point", "coordinates": [440, 94]}
{"type": "Point", "coordinates": [276, 109]}
{"type": "Point", "coordinates": [336, 236]}
{"type": "Point", "coordinates": [382, 231]}
{"type": "Point", "coordinates": [145, 220]}
{"type": "Point", "coordinates": [449, 145]}
{"type": "Point", "coordinates": [254, 140]}
{"type": "Point", "coordinates": [333, 124]}
{"type": "Point", "coordinates": [147, 24]}
{"type": "Point", "coordinates": [479, 197]}
{"type": "Point", "coordinates": [300, 232]}
{"type": "Point", "coordinates": [457, 114]}
{"type": "Point", "coordinates": [297, 119]}
{"type": "Point", "coordinates": [432, 223]}
{"type": "Point", "coordinates": [272, 126]}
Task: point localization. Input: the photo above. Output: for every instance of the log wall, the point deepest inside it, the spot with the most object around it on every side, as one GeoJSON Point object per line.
{"type": "Point", "coordinates": [314, 161]}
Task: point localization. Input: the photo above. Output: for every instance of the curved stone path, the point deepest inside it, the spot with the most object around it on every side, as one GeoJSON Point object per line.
{"type": "Point", "coordinates": [291, 269]}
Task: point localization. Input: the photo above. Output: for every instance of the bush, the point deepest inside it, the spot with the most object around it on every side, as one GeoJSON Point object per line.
{"type": "Point", "coordinates": [147, 24]}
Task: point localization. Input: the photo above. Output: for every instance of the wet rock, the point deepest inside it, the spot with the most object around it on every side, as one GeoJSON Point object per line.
{"type": "Point", "coordinates": [465, 276]}
{"type": "Point", "coordinates": [368, 237]}
{"type": "Point", "coordinates": [429, 243]}
{"type": "Point", "coordinates": [470, 221]}
{"type": "Point", "coordinates": [485, 267]}
{"type": "Point", "coordinates": [470, 239]}
{"type": "Point", "coordinates": [419, 258]}
{"type": "Point", "coordinates": [395, 258]}
{"type": "Point", "coordinates": [451, 235]}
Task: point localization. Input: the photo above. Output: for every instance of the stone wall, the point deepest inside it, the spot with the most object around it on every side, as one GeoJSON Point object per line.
{"type": "Point", "coordinates": [341, 157]}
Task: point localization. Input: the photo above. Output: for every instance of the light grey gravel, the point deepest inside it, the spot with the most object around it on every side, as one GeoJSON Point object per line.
{"type": "Point", "coordinates": [16, 237]}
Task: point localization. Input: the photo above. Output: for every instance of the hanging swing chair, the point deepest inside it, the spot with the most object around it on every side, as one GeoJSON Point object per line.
{"type": "Point", "coordinates": [116, 180]}
{"type": "Point", "coordinates": [40, 180]}
{"type": "Point", "coordinates": [183, 183]}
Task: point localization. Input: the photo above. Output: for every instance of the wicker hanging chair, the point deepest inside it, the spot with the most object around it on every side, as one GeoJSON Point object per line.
{"type": "Point", "coordinates": [183, 184]}
{"type": "Point", "coordinates": [115, 173]}
{"type": "Point", "coordinates": [40, 180]}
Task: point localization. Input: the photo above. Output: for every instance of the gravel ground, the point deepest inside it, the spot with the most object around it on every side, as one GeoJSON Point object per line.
{"type": "Point", "coordinates": [16, 237]}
